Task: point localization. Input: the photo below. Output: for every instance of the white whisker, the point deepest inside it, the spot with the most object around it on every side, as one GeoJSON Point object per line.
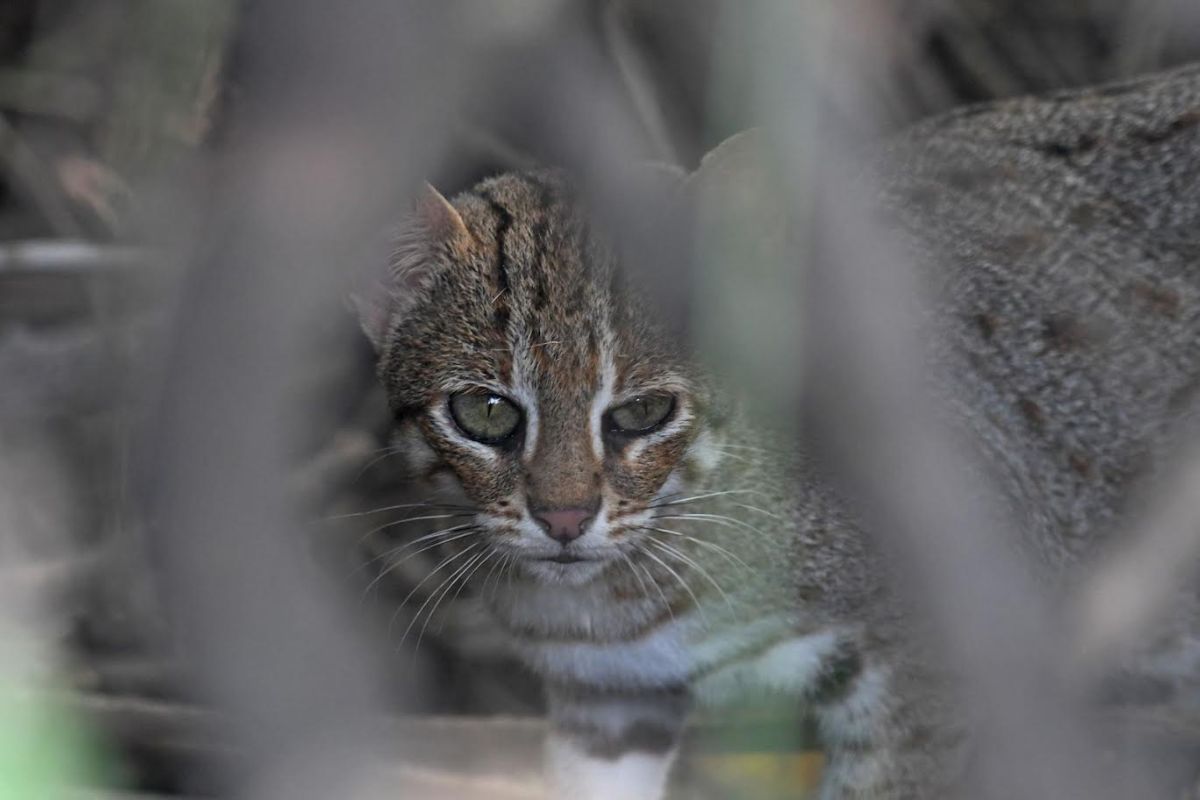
{"type": "Point", "coordinates": [771, 514]}
{"type": "Point", "coordinates": [711, 545]}
{"type": "Point", "coordinates": [390, 568]}
{"type": "Point", "coordinates": [499, 562]}
{"type": "Point", "coordinates": [692, 563]}
{"type": "Point", "coordinates": [424, 518]}
{"type": "Point", "coordinates": [444, 563]}
{"type": "Point", "coordinates": [443, 537]}
{"type": "Point", "coordinates": [654, 583]}
{"type": "Point", "coordinates": [720, 519]}
{"type": "Point", "coordinates": [750, 447]}
{"type": "Point", "coordinates": [440, 592]}
{"type": "Point", "coordinates": [641, 583]}
{"type": "Point", "coordinates": [461, 585]}
{"type": "Point", "coordinates": [705, 496]}
{"type": "Point", "coordinates": [734, 456]}
{"type": "Point", "coordinates": [421, 518]}
{"type": "Point", "coordinates": [387, 452]}
{"type": "Point", "coordinates": [682, 583]}
{"type": "Point", "coordinates": [381, 509]}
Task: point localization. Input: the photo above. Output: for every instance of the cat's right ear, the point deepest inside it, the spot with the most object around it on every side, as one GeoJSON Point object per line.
{"type": "Point", "coordinates": [438, 219]}
{"type": "Point", "coordinates": [433, 223]}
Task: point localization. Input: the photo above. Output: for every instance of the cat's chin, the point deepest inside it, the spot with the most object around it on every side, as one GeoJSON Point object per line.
{"type": "Point", "coordinates": [573, 573]}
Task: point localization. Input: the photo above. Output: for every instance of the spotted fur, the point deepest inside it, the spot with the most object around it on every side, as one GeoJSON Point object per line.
{"type": "Point", "coordinates": [717, 560]}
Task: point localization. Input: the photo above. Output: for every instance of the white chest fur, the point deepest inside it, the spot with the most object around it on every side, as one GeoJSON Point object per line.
{"type": "Point", "coordinates": [742, 657]}
{"type": "Point", "coordinates": [577, 634]}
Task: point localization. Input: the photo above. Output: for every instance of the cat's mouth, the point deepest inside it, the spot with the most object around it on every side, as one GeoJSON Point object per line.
{"type": "Point", "coordinates": [565, 558]}
{"type": "Point", "coordinates": [567, 567]}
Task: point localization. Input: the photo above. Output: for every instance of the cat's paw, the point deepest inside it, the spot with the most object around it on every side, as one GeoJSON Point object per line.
{"type": "Point", "coordinates": [574, 774]}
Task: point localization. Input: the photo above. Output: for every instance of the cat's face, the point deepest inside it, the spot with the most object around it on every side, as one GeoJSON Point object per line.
{"type": "Point", "coordinates": [525, 377]}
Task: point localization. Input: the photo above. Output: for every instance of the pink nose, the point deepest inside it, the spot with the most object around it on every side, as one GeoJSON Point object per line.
{"type": "Point", "coordinates": [563, 525]}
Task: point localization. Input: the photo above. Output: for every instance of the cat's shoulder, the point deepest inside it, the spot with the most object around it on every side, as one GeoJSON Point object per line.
{"type": "Point", "coordinates": [1149, 109]}
{"type": "Point", "coordinates": [1134, 146]}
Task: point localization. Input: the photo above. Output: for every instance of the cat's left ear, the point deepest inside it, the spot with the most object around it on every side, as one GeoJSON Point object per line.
{"type": "Point", "coordinates": [373, 304]}
{"type": "Point", "coordinates": [738, 185]}
{"type": "Point", "coordinates": [433, 222]}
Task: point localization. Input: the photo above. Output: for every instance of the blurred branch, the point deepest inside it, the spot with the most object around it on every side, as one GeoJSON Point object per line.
{"type": "Point", "coordinates": [66, 97]}
{"type": "Point", "coordinates": [68, 256]}
{"type": "Point", "coordinates": [334, 128]}
{"type": "Point", "coordinates": [493, 146]}
{"type": "Point", "coordinates": [1120, 601]}
{"type": "Point", "coordinates": [638, 81]}
{"type": "Point", "coordinates": [166, 83]}
{"type": "Point", "coordinates": [35, 181]}
{"type": "Point", "coordinates": [868, 394]}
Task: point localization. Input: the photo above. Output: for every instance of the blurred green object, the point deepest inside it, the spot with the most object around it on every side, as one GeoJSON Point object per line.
{"type": "Point", "coordinates": [43, 751]}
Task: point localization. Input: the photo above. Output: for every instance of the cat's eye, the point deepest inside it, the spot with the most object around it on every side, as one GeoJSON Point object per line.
{"type": "Point", "coordinates": [485, 417]}
{"type": "Point", "coordinates": [642, 414]}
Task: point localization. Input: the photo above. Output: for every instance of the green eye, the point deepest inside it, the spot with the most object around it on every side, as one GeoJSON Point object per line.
{"type": "Point", "coordinates": [641, 414]}
{"type": "Point", "coordinates": [487, 418]}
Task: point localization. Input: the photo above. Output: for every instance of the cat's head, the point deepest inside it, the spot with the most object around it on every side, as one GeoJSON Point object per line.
{"type": "Point", "coordinates": [525, 374]}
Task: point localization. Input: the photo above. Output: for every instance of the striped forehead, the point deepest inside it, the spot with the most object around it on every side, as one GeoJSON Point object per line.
{"type": "Point", "coordinates": [551, 306]}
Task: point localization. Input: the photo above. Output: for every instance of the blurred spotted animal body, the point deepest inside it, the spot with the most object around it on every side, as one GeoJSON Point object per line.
{"type": "Point", "coordinates": [658, 546]}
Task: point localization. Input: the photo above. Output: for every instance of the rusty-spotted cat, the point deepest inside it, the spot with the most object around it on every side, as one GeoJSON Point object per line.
{"type": "Point", "coordinates": [660, 548]}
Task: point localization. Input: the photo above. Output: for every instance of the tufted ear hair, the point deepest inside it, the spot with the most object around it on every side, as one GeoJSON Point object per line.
{"type": "Point", "coordinates": [432, 223]}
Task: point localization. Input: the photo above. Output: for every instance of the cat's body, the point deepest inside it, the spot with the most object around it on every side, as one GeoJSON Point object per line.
{"type": "Point", "coordinates": [657, 548]}
{"type": "Point", "coordinates": [1065, 236]}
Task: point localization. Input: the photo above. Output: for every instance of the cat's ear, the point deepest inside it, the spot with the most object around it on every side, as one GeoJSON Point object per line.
{"type": "Point", "coordinates": [433, 222]}
{"type": "Point", "coordinates": [438, 219]}
{"type": "Point", "coordinates": [738, 182]}
{"type": "Point", "coordinates": [737, 170]}
{"type": "Point", "coordinates": [373, 304]}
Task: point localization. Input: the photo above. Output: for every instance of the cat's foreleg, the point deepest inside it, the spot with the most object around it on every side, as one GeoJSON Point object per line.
{"type": "Point", "coordinates": [606, 744]}
{"type": "Point", "coordinates": [889, 734]}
